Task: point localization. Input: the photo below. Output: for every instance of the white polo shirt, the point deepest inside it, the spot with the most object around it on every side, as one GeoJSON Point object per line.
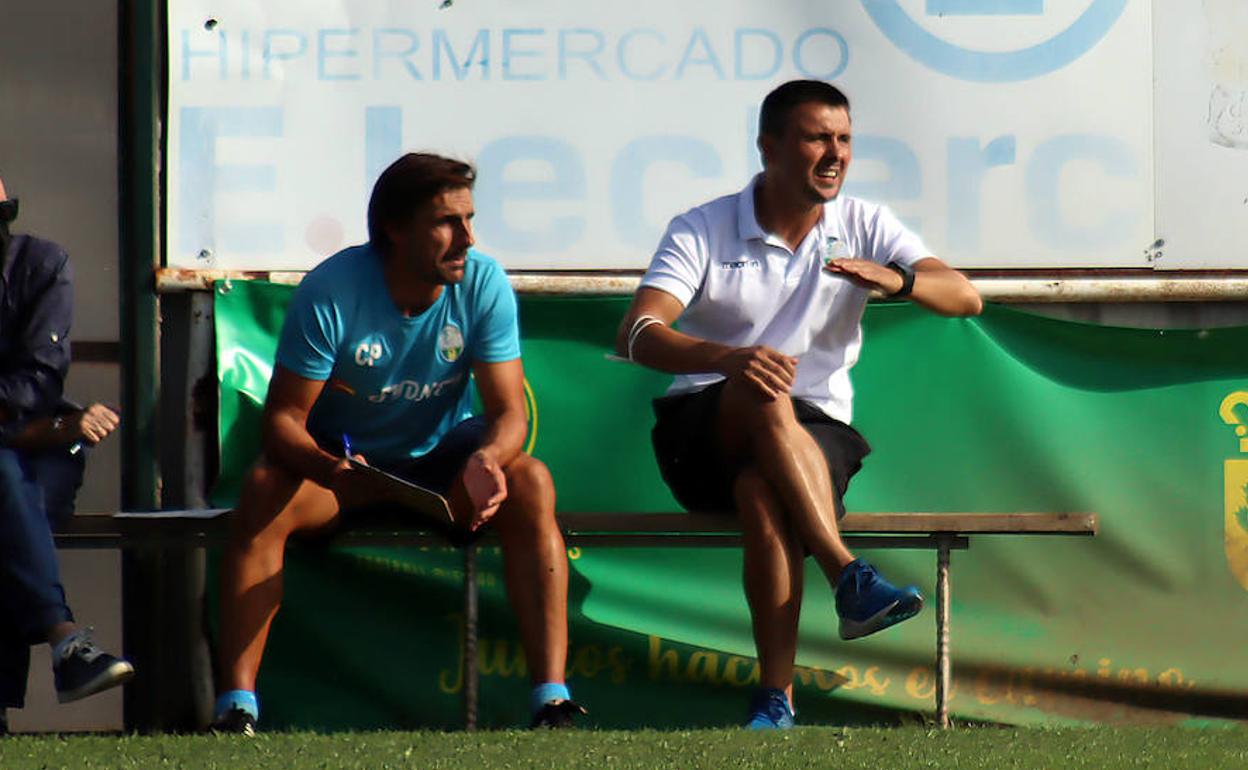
{"type": "Point", "coordinates": [742, 287]}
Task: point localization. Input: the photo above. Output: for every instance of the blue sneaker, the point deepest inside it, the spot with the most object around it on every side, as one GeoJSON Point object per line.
{"type": "Point", "coordinates": [868, 603]}
{"type": "Point", "coordinates": [770, 710]}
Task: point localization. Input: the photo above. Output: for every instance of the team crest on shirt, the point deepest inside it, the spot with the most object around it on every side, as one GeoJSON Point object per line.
{"type": "Point", "coordinates": [834, 248]}
{"type": "Point", "coordinates": [450, 343]}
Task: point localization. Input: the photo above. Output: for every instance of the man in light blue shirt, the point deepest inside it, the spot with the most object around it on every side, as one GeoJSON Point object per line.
{"type": "Point", "coordinates": [378, 345]}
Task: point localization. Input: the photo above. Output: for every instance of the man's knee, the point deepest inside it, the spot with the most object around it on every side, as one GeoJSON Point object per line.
{"type": "Point", "coordinates": [266, 494]}
{"type": "Point", "coordinates": [530, 490]}
{"type": "Point", "coordinates": [742, 400]}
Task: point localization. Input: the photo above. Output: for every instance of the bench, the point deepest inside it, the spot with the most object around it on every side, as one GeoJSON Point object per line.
{"type": "Point", "coordinates": [941, 532]}
{"type": "Point", "coordinates": [247, 312]}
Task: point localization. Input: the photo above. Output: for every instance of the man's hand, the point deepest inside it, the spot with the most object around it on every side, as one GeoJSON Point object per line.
{"type": "Point", "coordinates": [344, 482]}
{"type": "Point", "coordinates": [90, 426]}
{"type": "Point", "coordinates": [869, 275]}
{"type": "Point", "coordinates": [768, 370]}
{"type": "Point", "coordinates": [486, 486]}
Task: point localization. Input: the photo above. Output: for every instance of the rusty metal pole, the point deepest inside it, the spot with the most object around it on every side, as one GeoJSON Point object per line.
{"type": "Point", "coordinates": [470, 637]}
{"type": "Point", "coordinates": [943, 668]}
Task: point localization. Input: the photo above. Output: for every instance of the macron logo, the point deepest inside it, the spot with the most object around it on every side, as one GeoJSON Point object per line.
{"type": "Point", "coordinates": [741, 264]}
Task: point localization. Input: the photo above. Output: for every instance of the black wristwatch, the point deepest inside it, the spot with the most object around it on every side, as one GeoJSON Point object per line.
{"type": "Point", "coordinates": [907, 280]}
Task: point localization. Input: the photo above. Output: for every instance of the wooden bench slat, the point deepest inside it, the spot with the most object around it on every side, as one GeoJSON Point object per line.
{"type": "Point", "coordinates": [209, 526]}
{"type": "Point", "coordinates": [873, 523]}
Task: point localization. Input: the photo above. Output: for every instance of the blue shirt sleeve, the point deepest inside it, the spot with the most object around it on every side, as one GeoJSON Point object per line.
{"type": "Point", "coordinates": [498, 324]}
{"type": "Point", "coordinates": [311, 333]}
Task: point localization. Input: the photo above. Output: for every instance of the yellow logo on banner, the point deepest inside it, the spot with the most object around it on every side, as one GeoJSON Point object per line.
{"type": "Point", "coordinates": [530, 414]}
{"type": "Point", "coordinates": [1235, 479]}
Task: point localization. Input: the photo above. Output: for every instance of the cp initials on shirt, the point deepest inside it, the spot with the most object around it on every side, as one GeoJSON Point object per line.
{"type": "Point", "coordinates": [368, 353]}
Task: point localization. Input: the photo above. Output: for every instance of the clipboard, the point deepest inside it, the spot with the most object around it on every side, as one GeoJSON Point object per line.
{"type": "Point", "coordinates": [388, 488]}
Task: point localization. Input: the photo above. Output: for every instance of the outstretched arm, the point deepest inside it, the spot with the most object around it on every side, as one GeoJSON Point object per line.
{"type": "Point", "coordinates": [937, 287]}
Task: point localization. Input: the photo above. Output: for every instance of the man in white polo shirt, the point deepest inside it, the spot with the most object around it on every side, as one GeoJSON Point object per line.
{"type": "Point", "coordinates": [769, 286]}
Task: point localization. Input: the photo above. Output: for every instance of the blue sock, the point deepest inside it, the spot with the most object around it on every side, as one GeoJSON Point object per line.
{"type": "Point", "coordinates": [548, 692]}
{"type": "Point", "coordinates": [238, 699]}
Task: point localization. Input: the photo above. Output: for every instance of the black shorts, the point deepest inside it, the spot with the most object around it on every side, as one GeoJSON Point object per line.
{"type": "Point", "coordinates": [701, 478]}
{"type": "Point", "coordinates": [438, 468]}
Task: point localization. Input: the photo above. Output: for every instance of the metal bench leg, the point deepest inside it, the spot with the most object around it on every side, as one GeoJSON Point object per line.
{"type": "Point", "coordinates": [470, 637]}
{"type": "Point", "coordinates": [943, 669]}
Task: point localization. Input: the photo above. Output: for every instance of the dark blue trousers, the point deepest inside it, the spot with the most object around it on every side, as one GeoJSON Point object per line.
{"type": "Point", "coordinates": [36, 494]}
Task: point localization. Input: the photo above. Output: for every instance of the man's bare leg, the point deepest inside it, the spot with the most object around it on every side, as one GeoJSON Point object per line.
{"type": "Point", "coordinates": [273, 504]}
{"type": "Point", "coordinates": [766, 435]}
{"type": "Point", "coordinates": [535, 563]}
{"type": "Point", "coordinates": [536, 568]}
{"type": "Point", "coordinates": [773, 574]}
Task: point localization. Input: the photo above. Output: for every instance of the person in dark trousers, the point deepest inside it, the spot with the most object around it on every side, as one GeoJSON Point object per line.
{"type": "Point", "coordinates": [42, 454]}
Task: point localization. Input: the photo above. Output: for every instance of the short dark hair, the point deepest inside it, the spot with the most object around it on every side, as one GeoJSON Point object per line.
{"type": "Point", "coordinates": [774, 115]}
{"type": "Point", "coordinates": [409, 183]}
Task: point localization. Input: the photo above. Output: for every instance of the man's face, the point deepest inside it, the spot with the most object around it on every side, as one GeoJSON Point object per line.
{"type": "Point", "coordinates": [811, 156]}
{"type": "Point", "coordinates": [434, 242]}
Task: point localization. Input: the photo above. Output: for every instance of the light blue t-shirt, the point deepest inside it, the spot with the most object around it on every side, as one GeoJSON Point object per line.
{"type": "Point", "coordinates": [394, 384]}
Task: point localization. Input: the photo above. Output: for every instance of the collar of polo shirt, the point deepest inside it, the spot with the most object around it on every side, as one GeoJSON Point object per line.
{"type": "Point", "coordinates": [749, 229]}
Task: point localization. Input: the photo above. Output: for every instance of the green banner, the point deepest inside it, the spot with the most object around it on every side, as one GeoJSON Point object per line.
{"type": "Point", "coordinates": [1006, 412]}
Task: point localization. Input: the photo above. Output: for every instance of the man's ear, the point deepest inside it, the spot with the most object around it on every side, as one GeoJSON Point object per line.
{"type": "Point", "coordinates": [396, 235]}
{"type": "Point", "coordinates": [765, 146]}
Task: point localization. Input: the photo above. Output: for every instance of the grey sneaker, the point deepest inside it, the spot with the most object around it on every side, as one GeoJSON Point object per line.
{"type": "Point", "coordinates": [85, 669]}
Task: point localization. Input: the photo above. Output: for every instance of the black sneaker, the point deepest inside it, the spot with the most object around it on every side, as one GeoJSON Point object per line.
{"type": "Point", "coordinates": [85, 669]}
{"type": "Point", "coordinates": [558, 715]}
{"type": "Point", "coordinates": [235, 721]}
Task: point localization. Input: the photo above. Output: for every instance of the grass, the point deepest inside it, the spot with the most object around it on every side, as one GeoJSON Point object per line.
{"type": "Point", "coordinates": [874, 748]}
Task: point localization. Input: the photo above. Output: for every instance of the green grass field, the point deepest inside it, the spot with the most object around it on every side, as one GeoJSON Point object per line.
{"type": "Point", "coordinates": [874, 748]}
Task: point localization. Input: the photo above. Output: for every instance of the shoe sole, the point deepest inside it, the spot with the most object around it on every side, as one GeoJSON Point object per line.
{"type": "Point", "coordinates": [856, 629]}
{"type": "Point", "coordinates": [118, 673]}
{"type": "Point", "coordinates": [767, 725]}
{"type": "Point", "coordinates": [248, 731]}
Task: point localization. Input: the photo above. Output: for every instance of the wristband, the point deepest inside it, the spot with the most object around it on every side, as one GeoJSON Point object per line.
{"type": "Point", "coordinates": [907, 280]}
{"type": "Point", "coordinates": [640, 325]}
